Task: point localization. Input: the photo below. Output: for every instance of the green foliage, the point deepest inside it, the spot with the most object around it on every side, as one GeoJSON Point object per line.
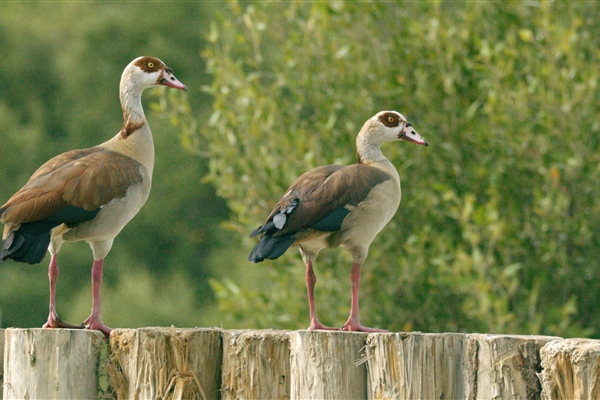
{"type": "Point", "coordinates": [497, 230]}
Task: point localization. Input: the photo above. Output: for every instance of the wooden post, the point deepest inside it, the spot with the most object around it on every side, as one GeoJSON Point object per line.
{"type": "Point", "coordinates": [51, 363]}
{"type": "Point", "coordinates": [165, 363]}
{"type": "Point", "coordinates": [507, 366]}
{"type": "Point", "coordinates": [170, 363]}
{"type": "Point", "coordinates": [453, 366]}
{"type": "Point", "coordinates": [256, 365]}
{"type": "Point", "coordinates": [1, 362]}
{"type": "Point", "coordinates": [326, 365]}
{"type": "Point", "coordinates": [571, 369]}
{"type": "Point", "coordinates": [416, 366]}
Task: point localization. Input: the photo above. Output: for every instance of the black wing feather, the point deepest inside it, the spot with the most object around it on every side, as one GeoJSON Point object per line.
{"type": "Point", "coordinates": [29, 243]}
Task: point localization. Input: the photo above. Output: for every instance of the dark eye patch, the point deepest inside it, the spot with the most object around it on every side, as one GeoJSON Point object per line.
{"type": "Point", "coordinates": [145, 62]}
{"type": "Point", "coordinates": [389, 119]}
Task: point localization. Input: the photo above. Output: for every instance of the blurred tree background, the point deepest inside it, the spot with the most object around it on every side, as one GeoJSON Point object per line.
{"type": "Point", "coordinates": [62, 63]}
{"type": "Point", "coordinates": [497, 229]}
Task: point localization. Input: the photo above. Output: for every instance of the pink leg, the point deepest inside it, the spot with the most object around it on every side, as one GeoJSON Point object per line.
{"type": "Point", "coordinates": [353, 323]}
{"type": "Point", "coordinates": [94, 321]}
{"type": "Point", "coordinates": [53, 319]}
{"type": "Point", "coordinates": [311, 279]}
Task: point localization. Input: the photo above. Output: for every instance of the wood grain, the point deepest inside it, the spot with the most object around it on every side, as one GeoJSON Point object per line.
{"type": "Point", "coordinates": [327, 365]}
{"type": "Point", "coordinates": [165, 363]}
{"type": "Point", "coordinates": [571, 369]}
{"type": "Point", "coordinates": [256, 364]}
{"type": "Point", "coordinates": [51, 363]}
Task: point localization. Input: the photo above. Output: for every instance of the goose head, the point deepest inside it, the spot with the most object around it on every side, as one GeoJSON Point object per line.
{"type": "Point", "coordinates": [385, 126]}
{"type": "Point", "coordinates": [145, 72]}
{"type": "Point", "coordinates": [388, 126]}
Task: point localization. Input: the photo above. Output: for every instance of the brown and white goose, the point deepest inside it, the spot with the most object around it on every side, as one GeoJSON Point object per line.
{"type": "Point", "coordinates": [337, 205]}
{"type": "Point", "coordinates": [88, 194]}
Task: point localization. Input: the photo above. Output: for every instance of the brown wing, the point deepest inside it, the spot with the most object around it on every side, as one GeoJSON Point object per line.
{"type": "Point", "coordinates": [86, 179]}
{"type": "Point", "coordinates": [322, 197]}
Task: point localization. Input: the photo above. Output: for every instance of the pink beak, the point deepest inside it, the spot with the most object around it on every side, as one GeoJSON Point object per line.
{"type": "Point", "coordinates": [410, 135]}
{"type": "Point", "coordinates": [168, 79]}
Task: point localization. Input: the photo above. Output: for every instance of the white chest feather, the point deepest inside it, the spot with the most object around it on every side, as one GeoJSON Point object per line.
{"type": "Point", "coordinates": [364, 222]}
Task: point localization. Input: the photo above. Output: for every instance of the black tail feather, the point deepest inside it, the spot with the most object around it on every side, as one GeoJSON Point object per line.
{"type": "Point", "coordinates": [29, 243]}
{"type": "Point", "coordinates": [270, 247]}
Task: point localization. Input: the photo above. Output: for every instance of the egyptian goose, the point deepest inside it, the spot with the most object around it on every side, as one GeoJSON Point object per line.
{"type": "Point", "coordinates": [88, 194]}
{"type": "Point", "coordinates": [337, 205]}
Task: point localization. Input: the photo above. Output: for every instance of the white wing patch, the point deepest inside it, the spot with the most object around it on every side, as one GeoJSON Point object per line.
{"type": "Point", "coordinates": [280, 218]}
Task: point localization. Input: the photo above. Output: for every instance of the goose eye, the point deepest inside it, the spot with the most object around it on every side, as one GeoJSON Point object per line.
{"type": "Point", "coordinates": [150, 64]}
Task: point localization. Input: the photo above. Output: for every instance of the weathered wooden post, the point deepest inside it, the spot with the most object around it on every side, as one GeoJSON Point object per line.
{"type": "Point", "coordinates": [256, 365]}
{"type": "Point", "coordinates": [507, 366]}
{"type": "Point", "coordinates": [417, 366]}
{"type": "Point", "coordinates": [326, 365]}
{"type": "Point", "coordinates": [453, 366]}
{"type": "Point", "coordinates": [571, 369]}
{"type": "Point", "coordinates": [1, 361]}
{"type": "Point", "coordinates": [51, 363]}
{"type": "Point", "coordinates": [165, 363]}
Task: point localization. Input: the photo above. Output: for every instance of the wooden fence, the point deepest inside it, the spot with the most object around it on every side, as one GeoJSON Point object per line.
{"type": "Point", "coordinates": [172, 363]}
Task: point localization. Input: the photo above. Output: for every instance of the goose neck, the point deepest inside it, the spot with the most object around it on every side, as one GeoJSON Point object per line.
{"type": "Point", "coordinates": [131, 102]}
